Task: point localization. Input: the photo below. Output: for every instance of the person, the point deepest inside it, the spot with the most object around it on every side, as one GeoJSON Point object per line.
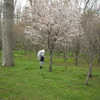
{"type": "Point", "coordinates": [40, 56]}
{"type": "Point", "coordinates": [41, 61]}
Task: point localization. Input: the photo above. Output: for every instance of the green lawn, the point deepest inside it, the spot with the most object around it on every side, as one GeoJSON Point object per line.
{"type": "Point", "coordinates": [25, 81]}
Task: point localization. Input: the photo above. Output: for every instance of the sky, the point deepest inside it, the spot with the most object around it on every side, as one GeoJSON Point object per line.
{"type": "Point", "coordinates": [22, 2]}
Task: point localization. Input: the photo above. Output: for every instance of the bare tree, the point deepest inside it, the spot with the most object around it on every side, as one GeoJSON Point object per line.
{"type": "Point", "coordinates": [89, 34]}
{"type": "Point", "coordinates": [91, 42]}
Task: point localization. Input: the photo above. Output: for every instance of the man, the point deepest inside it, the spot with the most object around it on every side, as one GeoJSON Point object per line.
{"type": "Point", "coordinates": [40, 56]}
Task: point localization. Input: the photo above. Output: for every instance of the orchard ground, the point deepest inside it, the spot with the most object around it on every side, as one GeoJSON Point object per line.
{"type": "Point", "coordinates": [25, 81]}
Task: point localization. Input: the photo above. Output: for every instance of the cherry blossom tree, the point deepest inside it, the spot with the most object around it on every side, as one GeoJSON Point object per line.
{"type": "Point", "coordinates": [52, 23]}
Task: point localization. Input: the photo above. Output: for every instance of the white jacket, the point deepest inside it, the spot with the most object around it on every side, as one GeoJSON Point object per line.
{"type": "Point", "coordinates": [40, 53]}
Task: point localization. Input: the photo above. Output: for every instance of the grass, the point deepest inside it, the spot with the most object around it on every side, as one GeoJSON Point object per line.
{"type": "Point", "coordinates": [26, 81]}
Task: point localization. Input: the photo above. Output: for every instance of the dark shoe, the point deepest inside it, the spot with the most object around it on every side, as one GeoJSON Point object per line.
{"type": "Point", "coordinates": [40, 67]}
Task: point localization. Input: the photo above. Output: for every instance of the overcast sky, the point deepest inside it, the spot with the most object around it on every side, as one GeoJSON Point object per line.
{"type": "Point", "coordinates": [22, 2]}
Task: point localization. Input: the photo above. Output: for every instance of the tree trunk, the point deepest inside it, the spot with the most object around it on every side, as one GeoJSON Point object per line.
{"type": "Point", "coordinates": [89, 74]}
{"type": "Point", "coordinates": [7, 30]}
{"type": "Point", "coordinates": [99, 58]}
{"type": "Point", "coordinates": [77, 52]}
{"type": "Point", "coordinates": [64, 52]}
{"type": "Point", "coordinates": [51, 59]}
{"type": "Point", "coordinates": [0, 25]}
{"type": "Point", "coordinates": [76, 58]}
{"type": "Point", "coordinates": [65, 58]}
